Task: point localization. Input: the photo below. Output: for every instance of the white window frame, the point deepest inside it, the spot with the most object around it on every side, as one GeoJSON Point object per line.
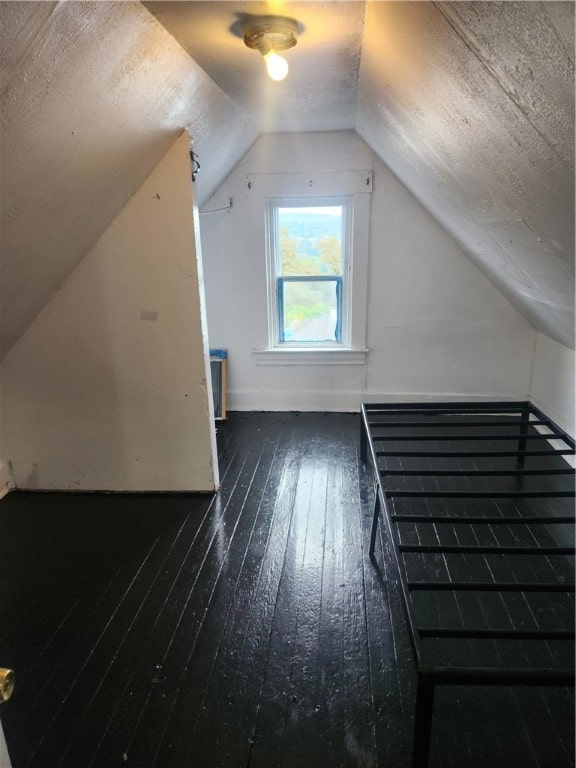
{"type": "Point", "coordinates": [273, 268]}
{"type": "Point", "coordinates": [355, 186]}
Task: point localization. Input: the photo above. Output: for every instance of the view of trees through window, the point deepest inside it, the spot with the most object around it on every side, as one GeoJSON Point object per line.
{"type": "Point", "coordinates": [310, 248]}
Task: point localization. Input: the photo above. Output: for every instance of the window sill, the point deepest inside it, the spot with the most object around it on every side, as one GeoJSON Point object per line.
{"type": "Point", "coordinates": [316, 356]}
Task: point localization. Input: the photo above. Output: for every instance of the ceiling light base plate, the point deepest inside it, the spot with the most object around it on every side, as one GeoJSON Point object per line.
{"type": "Point", "coordinates": [274, 32]}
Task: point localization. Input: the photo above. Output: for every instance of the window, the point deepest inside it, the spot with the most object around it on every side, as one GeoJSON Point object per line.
{"type": "Point", "coordinates": [309, 269]}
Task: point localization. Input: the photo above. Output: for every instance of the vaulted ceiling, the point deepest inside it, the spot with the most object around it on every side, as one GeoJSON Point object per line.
{"type": "Point", "coordinates": [471, 104]}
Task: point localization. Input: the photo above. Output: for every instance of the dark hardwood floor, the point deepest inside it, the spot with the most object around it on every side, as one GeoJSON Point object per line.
{"type": "Point", "coordinates": [244, 630]}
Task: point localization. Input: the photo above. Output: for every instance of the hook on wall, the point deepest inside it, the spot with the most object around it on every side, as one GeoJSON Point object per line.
{"type": "Point", "coordinates": [195, 164]}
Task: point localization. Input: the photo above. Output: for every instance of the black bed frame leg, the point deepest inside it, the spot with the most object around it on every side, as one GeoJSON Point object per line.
{"type": "Point", "coordinates": [374, 524]}
{"type": "Point", "coordinates": [363, 443]}
{"type": "Point", "coordinates": [422, 723]}
{"type": "Point", "coordinates": [522, 438]}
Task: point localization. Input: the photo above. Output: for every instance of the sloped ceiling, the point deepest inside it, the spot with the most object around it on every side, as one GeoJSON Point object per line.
{"type": "Point", "coordinates": [93, 95]}
{"type": "Point", "coordinates": [470, 104]}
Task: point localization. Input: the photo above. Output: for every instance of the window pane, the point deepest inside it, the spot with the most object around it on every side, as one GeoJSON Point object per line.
{"type": "Point", "coordinates": [310, 240]}
{"type": "Point", "coordinates": [310, 310]}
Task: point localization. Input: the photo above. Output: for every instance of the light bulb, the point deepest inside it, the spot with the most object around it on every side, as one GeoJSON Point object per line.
{"type": "Point", "coordinates": [276, 65]}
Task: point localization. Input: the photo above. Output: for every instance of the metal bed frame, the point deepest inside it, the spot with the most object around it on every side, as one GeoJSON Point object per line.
{"type": "Point", "coordinates": [478, 501]}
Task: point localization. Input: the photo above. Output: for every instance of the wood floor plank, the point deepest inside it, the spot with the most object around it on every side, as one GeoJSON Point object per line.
{"type": "Point", "coordinates": [309, 724]}
{"type": "Point", "coordinates": [183, 736]}
{"type": "Point", "coordinates": [219, 692]}
{"type": "Point", "coordinates": [287, 689]}
{"type": "Point", "coordinates": [232, 736]}
{"type": "Point", "coordinates": [81, 673]}
{"type": "Point", "coordinates": [118, 677]}
{"type": "Point", "coordinates": [137, 725]}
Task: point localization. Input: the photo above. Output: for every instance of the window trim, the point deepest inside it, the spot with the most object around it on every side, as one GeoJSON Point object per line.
{"type": "Point", "coordinates": [354, 183]}
{"type": "Point", "coordinates": [311, 356]}
{"type": "Point", "coordinates": [276, 338]}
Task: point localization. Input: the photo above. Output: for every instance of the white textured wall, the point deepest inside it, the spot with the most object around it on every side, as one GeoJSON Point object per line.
{"type": "Point", "coordinates": [107, 390]}
{"type": "Point", "coordinates": [436, 327]}
{"type": "Point", "coordinates": [553, 382]}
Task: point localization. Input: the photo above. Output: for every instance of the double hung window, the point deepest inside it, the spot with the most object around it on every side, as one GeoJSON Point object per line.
{"type": "Point", "coordinates": [316, 234]}
{"type": "Point", "coordinates": [309, 271]}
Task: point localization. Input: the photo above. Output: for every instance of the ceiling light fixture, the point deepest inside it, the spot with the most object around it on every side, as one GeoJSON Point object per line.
{"type": "Point", "coordinates": [270, 34]}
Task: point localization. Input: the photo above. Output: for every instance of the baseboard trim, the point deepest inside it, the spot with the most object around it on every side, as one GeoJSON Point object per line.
{"type": "Point", "coordinates": [100, 492]}
{"type": "Point", "coordinates": [348, 401]}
